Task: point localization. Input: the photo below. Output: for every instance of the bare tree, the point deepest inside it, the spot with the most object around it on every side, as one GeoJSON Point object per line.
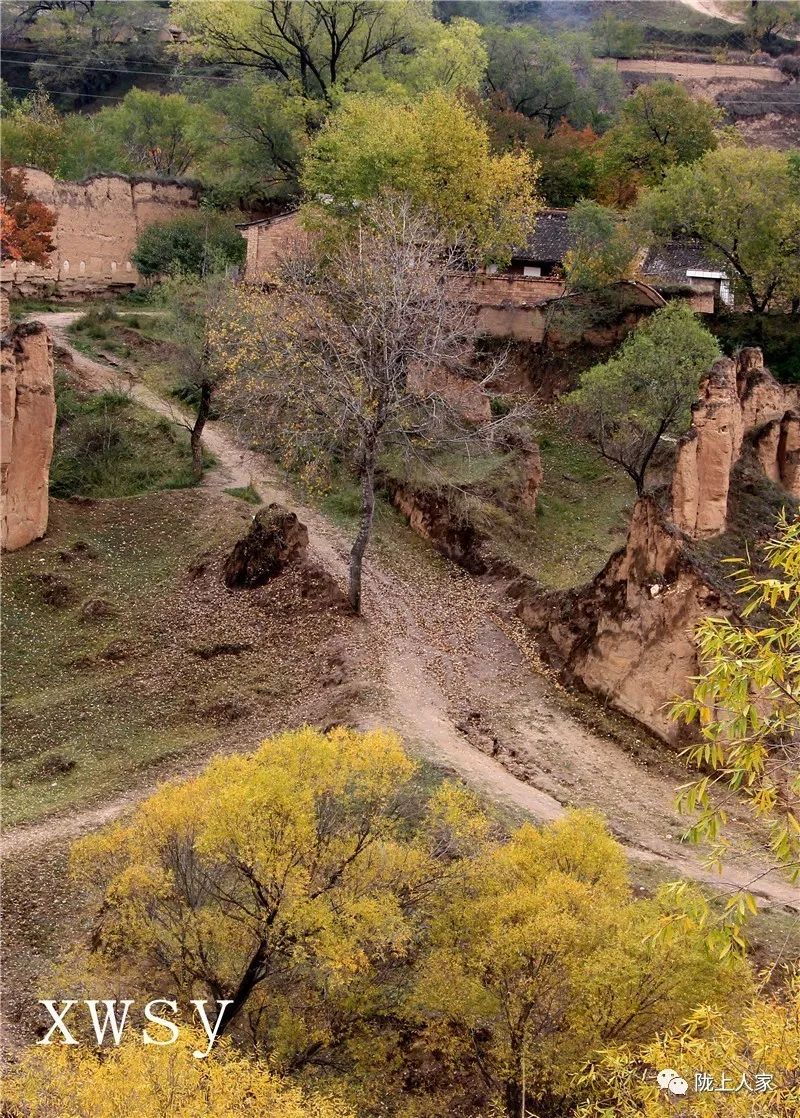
{"type": "Point", "coordinates": [341, 362]}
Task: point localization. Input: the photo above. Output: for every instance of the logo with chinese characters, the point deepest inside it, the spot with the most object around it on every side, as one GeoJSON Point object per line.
{"type": "Point", "coordinates": [729, 1084]}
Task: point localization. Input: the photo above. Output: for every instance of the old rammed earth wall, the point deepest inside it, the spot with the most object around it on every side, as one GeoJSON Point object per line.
{"type": "Point", "coordinates": [97, 223]}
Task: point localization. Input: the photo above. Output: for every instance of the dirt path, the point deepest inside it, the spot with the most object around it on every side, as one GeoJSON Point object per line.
{"type": "Point", "coordinates": [457, 677]}
{"type": "Point", "coordinates": [719, 9]}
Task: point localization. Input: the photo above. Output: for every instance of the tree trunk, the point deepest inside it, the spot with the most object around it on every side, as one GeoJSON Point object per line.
{"type": "Point", "coordinates": [203, 408]}
{"type": "Point", "coordinates": [364, 530]}
{"type": "Point", "coordinates": [513, 1098]}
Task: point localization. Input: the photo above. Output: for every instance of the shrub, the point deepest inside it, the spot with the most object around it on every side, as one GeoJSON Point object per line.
{"type": "Point", "coordinates": [196, 244]}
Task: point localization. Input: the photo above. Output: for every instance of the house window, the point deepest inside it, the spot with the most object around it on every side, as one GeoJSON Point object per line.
{"type": "Point", "coordinates": [531, 270]}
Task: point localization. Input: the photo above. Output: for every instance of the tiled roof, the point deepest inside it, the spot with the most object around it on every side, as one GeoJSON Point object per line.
{"type": "Point", "coordinates": [549, 241]}
{"type": "Point", "coordinates": [670, 262]}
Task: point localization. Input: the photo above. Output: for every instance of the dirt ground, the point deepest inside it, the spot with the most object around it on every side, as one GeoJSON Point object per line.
{"type": "Point", "coordinates": [437, 656]}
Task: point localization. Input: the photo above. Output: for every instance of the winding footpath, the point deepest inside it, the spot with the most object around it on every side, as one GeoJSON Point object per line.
{"type": "Point", "coordinates": [458, 679]}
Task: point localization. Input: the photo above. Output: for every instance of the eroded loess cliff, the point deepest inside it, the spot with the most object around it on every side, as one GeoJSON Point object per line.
{"type": "Point", "coordinates": [739, 401]}
{"type": "Point", "coordinates": [27, 423]}
{"type": "Point", "coordinates": [627, 635]}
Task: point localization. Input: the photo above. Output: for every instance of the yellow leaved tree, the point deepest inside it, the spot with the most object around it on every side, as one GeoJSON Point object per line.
{"type": "Point", "coordinates": [746, 707]}
{"type": "Point", "coordinates": [377, 938]}
{"type": "Point", "coordinates": [437, 152]}
{"type": "Point", "coordinates": [743, 1068]}
{"type": "Point", "coordinates": [155, 1082]}
{"type": "Point", "coordinates": [539, 954]}
{"type": "Point", "coordinates": [283, 881]}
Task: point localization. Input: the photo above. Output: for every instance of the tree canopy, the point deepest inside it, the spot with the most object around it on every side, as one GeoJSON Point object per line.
{"type": "Point", "coordinates": [349, 914]}
{"type": "Point", "coordinates": [436, 151]}
{"type": "Point", "coordinates": [25, 223]}
{"type": "Point", "coordinates": [318, 46]}
{"type": "Point", "coordinates": [646, 390]}
{"type": "Point", "coordinates": [602, 248]}
{"type": "Point", "coordinates": [747, 1065]}
{"type": "Point", "coordinates": [550, 77]}
{"type": "Point", "coordinates": [660, 126]}
{"type": "Point", "coordinates": [196, 244]}
{"type": "Point", "coordinates": [153, 1082]}
{"type": "Point", "coordinates": [744, 706]}
{"type": "Point", "coordinates": [743, 205]}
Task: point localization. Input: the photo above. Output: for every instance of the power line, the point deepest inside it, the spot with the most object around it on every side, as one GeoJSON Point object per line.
{"type": "Point", "coordinates": [121, 70]}
{"type": "Point", "coordinates": [66, 93]}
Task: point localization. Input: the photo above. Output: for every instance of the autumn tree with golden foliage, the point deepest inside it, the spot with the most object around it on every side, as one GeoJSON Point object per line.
{"type": "Point", "coordinates": [746, 709]}
{"type": "Point", "coordinates": [385, 943]}
{"type": "Point", "coordinates": [436, 152]}
{"type": "Point", "coordinates": [155, 1082]}
{"type": "Point", "coordinates": [754, 1057]}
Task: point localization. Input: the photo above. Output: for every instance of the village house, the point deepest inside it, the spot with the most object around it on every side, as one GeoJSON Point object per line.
{"type": "Point", "coordinates": [677, 266]}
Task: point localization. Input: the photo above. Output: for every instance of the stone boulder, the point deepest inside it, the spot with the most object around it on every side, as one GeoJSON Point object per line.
{"type": "Point", "coordinates": [27, 424]}
{"type": "Point", "coordinates": [276, 540]}
{"type": "Point", "coordinates": [627, 635]}
{"type": "Point", "coordinates": [739, 400]}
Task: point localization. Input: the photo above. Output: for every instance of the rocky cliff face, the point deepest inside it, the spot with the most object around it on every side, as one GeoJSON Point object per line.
{"type": "Point", "coordinates": [27, 422]}
{"type": "Point", "coordinates": [739, 400]}
{"type": "Point", "coordinates": [628, 635]}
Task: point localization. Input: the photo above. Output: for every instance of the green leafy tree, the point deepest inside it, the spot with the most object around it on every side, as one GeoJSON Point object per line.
{"type": "Point", "coordinates": [646, 390]}
{"type": "Point", "coordinates": [160, 133]}
{"type": "Point", "coordinates": [191, 302]}
{"type": "Point", "coordinates": [744, 206]}
{"type": "Point", "coordinates": [319, 46]}
{"type": "Point", "coordinates": [264, 132]}
{"type": "Point", "coordinates": [746, 707]}
{"type": "Point", "coordinates": [436, 151]}
{"type": "Point", "coordinates": [617, 38]}
{"type": "Point", "coordinates": [661, 126]}
{"type": "Point", "coordinates": [197, 244]}
{"type": "Point", "coordinates": [602, 248]}
{"type": "Point", "coordinates": [451, 57]}
{"type": "Point", "coordinates": [548, 78]}
{"type": "Point", "coordinates": [766, 20]}
{"type": "Point", "coordinates": [77, 47]}
{"type": "Point", "coordinates": [36, 134]}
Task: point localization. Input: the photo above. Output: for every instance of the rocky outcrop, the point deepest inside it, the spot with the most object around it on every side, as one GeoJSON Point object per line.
{"type": "Point", "coordinates": [27, 423]}
{"type": "Point", "coordinates": [739, 400]}
{"type": "Point", "coordinates": [627, 636]}
{"type": "Point", "coordinates": [275, 540]}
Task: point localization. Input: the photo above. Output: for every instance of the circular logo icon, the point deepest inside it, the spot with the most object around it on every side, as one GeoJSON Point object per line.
{"type": "Point", "coordinates": [665, 1077]}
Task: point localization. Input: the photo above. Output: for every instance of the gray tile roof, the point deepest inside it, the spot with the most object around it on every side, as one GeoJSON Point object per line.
{"type": "Point", "coordinates": [669, 262]}
{"type": "Point", "coordinates": [549, 241]}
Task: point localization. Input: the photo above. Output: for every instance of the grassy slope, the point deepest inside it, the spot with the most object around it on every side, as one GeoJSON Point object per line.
{"type": "Point", "coordinates": [91, 700]}
{"type": "Point", "coordinates": [77, 722]}
{"type": "Point", "coordinates": [582, 512]}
